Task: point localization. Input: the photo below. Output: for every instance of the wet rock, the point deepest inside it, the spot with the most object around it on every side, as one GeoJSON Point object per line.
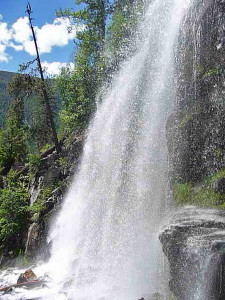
{"type": "Point", "coordinates": [32, 241]}
{"type": "Point", "coordinates": [219, 186]}
{"type": "Point", "coordinates": [8, 290]}
{"type": "Point", "coordinates": [194, 243]}
{"type": "Point", "coordinates": [28, 285]}
{"type": "Point", "coordinates": [27, 276]}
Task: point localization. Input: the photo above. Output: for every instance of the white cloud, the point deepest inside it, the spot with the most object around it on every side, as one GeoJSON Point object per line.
{"type": "Point", "coordinates": [21, 30]}
{"type": "Point", "coordinates": [5, 36]}
{"type": "Point", "coordinates": [5, 33]}
{"type": "Point", "coordinates": [15, 47]}
{"type": "Point", "coordinates": [54, 68]}
{"type": "Point", "coordinates": [19, 36]}
{"type": "Point", "coordinates": [48, 36]}
{"type": "Point", "coordinates": [4, 57]}
{"type": "Point", "coordinates": [55, 34]}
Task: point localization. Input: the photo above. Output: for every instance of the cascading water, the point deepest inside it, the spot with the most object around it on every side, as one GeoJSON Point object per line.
{"type": "Point", "coordinates": [104, 240]}
{"type": "Point", "coordinates": [105, 243]}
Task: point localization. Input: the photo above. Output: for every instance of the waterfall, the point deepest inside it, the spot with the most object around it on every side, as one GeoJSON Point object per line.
{"type": "Point", "coordinates": [105, 238]}
{"type": "Point", "coordinates": [104, 241]}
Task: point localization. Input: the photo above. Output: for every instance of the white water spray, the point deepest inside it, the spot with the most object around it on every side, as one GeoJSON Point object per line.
{"type": "Point", "coordinates": [105, 238]}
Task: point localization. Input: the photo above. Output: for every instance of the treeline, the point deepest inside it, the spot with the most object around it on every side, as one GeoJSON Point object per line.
{"type": "Point", "coordinates": [102, 43]}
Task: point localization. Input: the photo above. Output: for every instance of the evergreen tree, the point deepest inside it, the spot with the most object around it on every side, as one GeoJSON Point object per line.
{"type": "Point", "coordinates": [13, 138]}
{"type": "Point", "coordinates": [89, 70]}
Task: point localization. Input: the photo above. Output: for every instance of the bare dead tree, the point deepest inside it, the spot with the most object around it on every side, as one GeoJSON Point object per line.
{"type": "Point", "coordinates": [44, 91]}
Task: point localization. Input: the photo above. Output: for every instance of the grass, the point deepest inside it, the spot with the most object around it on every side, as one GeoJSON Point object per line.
{"type": "Point", "coordinates": [202, 195]}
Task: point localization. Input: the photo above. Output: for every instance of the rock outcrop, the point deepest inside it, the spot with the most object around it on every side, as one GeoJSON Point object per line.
{"type": "Point", "coordinates": [52, 169]}
{"type": "Point", "coordinates": [194, 243]}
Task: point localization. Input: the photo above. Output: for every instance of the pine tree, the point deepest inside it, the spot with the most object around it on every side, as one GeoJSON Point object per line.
{"type": "Point", "coordinates": [89, 70]}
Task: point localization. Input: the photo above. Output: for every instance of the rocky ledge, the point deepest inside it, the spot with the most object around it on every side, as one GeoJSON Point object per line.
{"type": "Point", "coordinates": [194, 243]}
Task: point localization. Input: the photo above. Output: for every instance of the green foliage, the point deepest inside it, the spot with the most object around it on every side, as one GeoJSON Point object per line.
{"type": "Point", "coordinates": [29, 88]}
{"type": "Point", "coordinates": [5, 78]}
{"type": "Point", "coordinates": [121, 30]}
{"type": "Point", "coordinates": [63, 164]}
{"type": "Point", "coordinates": [46, 147]}
{"type": "Point", "coordinates": [202, 195]}
{"type": "Point", "coordinates": [13, 138]}
{"type": "Point", "coordinates": [77, 106]}
{"type": "Point", "coordinates": [218, 175]}
{"type": "Point", "coordinates": [71, 106]}
{"type": "Point", "coordinates": [34, 163]}
{"type": "Point", "coordinates": [211, 72]}
{"type": "Point", "coordinates": [13, 215]}
{"type": "Point", "coordinates": [78, 89]}
{"type": "Point", "coordinates": [183, 193]}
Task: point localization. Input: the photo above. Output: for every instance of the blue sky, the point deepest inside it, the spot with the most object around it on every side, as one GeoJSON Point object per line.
{"type": "Point", "coordinates": [56, 45]}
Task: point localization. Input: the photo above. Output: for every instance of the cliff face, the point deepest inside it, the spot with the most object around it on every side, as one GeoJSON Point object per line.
{"type": "Point", "coordinates": [196, 135]}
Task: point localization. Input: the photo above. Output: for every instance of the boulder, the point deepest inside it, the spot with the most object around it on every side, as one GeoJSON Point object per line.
{"type": "Point", "coordinates": [194, 243]}
{"type": "Point", "coordinates": [27, 276]}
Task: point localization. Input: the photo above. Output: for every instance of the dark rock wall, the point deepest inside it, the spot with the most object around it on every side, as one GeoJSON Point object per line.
{"type": "Point", "coordinates": [196, 131]}
{"type": "Point", "coordinates": [201, 50]}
